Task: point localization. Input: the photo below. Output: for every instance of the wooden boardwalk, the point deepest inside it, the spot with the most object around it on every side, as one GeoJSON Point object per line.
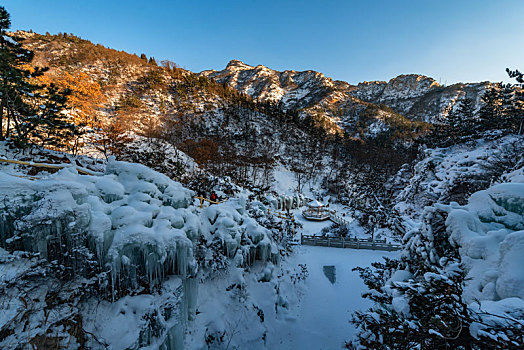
{"type": "Point", "coordinates": [354, 243]}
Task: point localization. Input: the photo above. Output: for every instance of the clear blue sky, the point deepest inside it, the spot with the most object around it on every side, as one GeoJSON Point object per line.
{"type": "Point", "coordinates": [451, 41]}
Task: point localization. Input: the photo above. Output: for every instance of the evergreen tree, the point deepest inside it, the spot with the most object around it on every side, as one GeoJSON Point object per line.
{"type": "Point", "coordinates": [453, 127]}
{"type": "Point", "coordinates": [516, 114]}
{"type": "Point", "coordinates": [28, 111]}
{"type": "Point", "coordinates": [14, 84]}
{"type": "Point", "coordinates": [465, 110]}
{"type": "Point", "coordinates": [508, 107]}
{"type": "Point", "coordinates": [419, 301]}
{"type": "Point", "coordinates": [55, 127]}
{"type": "Point", "coordinates": [518, 118]}
{"type": "Point", "coordinates": [490, 112]}
{"type": "Point", "coordinates": [519, 77]}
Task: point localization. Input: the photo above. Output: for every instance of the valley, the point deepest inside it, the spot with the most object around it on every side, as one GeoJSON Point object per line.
{"type": "Point", "coordinates": [147, 206]}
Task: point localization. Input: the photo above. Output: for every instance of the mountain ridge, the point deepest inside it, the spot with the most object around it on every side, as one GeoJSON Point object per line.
{"type": "Point", "coordinates": [405, 93]}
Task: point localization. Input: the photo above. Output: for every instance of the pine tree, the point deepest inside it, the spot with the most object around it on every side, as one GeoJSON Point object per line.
{"type": "Point", "coordinates": [518, 118]}
{"type": "Point", "coordinates": [14, 84]}
{"type": "Point", "coordinates": [28, 111]}
{"type": "Point", "coordinates": [55, 127]}
{"type": "Point", "coordinates": [508, 110]}
{"type": "Point", "coordinates": [453, 127]}
{"type": "Point", "coordinates": [517, 109]}
{"type": "Point", "coordinates": [419, 301]}
{"type": "Point", "coordinates": [519, 77]}
{"type": "Point", "coordinates": [490, 112]}
{"type": "Point", "coordinates": [467, 121]}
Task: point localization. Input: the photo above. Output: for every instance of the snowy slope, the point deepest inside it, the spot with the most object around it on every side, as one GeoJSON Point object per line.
{"type": "Point", "coordinates": [453, 173]}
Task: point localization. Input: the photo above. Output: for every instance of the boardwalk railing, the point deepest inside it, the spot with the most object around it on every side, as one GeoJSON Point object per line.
{"type": "Point", "coordinates": [281, 215]}
{"type": "Point", "coordinates": [355, 243]}
{"type": "Point", "coordinates": [80, 170]}
{"type": "Point", "coordinates": [203, 199]}
{"type": "Point", "coordinates": [336, 218]}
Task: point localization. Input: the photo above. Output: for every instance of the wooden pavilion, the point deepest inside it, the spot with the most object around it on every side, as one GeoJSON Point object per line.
{"type": "Point", "coordinates": [316, 211]}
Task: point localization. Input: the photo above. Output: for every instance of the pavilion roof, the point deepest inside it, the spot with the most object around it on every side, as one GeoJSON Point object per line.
{"type": "Point", "coordinates": [315, 204]}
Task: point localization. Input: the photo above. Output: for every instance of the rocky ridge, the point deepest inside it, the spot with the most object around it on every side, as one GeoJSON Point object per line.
{"type": "Point", "coordinates": [415, 96]}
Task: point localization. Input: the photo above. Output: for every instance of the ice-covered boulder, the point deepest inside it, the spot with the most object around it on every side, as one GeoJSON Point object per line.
{"type": "Point", "coordinates": [240, 235]}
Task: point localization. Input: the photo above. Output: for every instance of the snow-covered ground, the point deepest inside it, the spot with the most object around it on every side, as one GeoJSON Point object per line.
{"type": "Point", "coordinates": [324, 311]}
{"type": "Point", "coordinates": [293, 313]}
{"type": "Point", "coordinates": [309, 227]}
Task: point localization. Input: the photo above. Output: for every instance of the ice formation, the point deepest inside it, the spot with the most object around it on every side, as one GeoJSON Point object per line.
{"type": "Point", "coordinates": [132, 219]}
{"type": "Point", "coordinates": [285, 202]}
{"type": "Point", "coordinates": [135, 231]}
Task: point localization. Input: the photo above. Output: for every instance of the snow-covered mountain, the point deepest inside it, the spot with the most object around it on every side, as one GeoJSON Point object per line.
{"type": "Point", "coordinates": [294, 90]}
{"type": "Point", "coordinates": [310, 92]}
{"type": "Point", "coordinates": [415, 96]}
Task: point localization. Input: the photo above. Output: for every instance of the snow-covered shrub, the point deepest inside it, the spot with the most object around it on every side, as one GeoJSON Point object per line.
{"type": "Point", "coordinates": [459, 281]}
{"type": "Point", "coordinates": [229, 232]}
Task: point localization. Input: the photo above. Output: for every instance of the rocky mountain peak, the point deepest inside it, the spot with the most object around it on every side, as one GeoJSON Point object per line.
{"type": "Point", "coordinates": [417, 96]}
{"type": "Point", "coordinates": [411, 84]}
{"type": "Point", "coordinates": [237, 64]}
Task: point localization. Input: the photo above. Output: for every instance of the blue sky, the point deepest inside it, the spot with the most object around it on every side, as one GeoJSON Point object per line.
{"type": "Point", "coordinates": [451, 41]}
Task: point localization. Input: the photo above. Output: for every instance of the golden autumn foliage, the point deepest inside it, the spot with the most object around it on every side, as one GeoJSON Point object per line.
{"type": "Point", "coordinates": [86, 96]}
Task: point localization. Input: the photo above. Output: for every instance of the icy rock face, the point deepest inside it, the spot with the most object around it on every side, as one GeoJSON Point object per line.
{"type": "Point", "coordinates": [287, 202]}
{"type": "Point", "coordinates": [118, 248]}
{"type": "Point", "coordinates": [132, 222]}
